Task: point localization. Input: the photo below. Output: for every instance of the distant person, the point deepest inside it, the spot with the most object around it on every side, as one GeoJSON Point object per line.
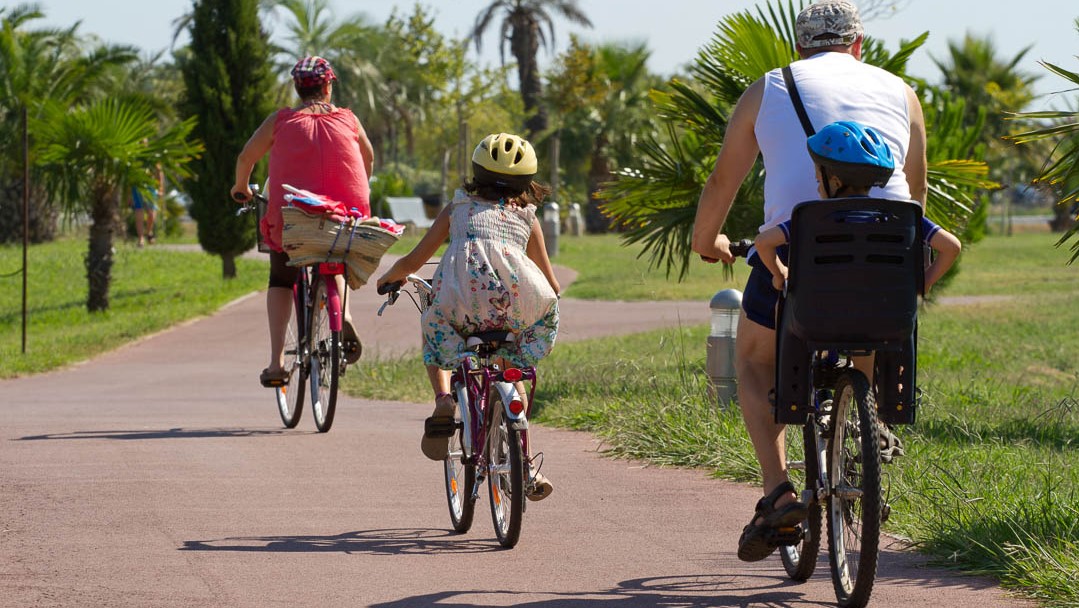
{"type": "Point", "coordinates": [833, 84]}
{"type": "Point", "coordinates": [145, 206]}
{"type": "Point", "coordinates": [494, 275]}
{"type": "Point", "coordinates": [318, 147]}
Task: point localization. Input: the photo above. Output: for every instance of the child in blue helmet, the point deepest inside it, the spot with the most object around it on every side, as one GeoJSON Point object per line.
{"type": "Point", "coordinates": [850, 159]}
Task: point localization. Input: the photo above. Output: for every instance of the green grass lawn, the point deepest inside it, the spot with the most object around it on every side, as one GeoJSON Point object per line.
{"type": "Point", "coordinates": [153, 288]}
{"type": "Point", "coordinates": [990, 484]}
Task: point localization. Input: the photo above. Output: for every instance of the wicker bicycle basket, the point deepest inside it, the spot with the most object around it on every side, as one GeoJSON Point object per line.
{"type": "Point", "coordinates": [316, 239]}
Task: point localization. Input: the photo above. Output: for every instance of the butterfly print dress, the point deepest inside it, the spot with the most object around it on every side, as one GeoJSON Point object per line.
{"type": "Point", "coordinates": [486, 282]}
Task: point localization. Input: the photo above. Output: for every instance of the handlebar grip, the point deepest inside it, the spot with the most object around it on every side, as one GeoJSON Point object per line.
{"type": "Point", "coordinates": [239, 197]}
{"type": "Point", "coordinates": [386, 288]}
{"type": "Point", "coordinates": [740, 248]}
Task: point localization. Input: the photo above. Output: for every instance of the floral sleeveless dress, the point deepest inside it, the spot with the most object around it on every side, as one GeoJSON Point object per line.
{"type": "Point", "coordinates": [486, 282]}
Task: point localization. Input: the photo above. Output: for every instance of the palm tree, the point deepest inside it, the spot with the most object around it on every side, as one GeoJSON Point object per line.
{"type": "Point", "coordinates": [522, 27]}
{"type": "Point", "coordinates": [1062, 167]}
{"type": "Point", "coordinates": [38, 65]}
{"type": "Point", "coordinates": [656, 199]}
{"type": "Point", "coordinates": [600, 95]}
{"type": "Point", "coordinates": [91, 154]}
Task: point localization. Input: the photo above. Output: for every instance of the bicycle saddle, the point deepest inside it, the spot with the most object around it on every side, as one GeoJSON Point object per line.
{"type": "Point", "coordinates": [489, 337]}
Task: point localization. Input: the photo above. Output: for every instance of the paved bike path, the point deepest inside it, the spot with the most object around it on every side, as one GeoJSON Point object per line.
{"type": "Point", "coordinates": [159, 475]}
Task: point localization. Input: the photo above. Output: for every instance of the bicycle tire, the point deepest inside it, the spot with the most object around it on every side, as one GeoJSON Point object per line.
{"type": "Point", "coordinates": [460, 478]}
{"type": "Point", "coordinates": [325, 358]}
{"type": "Point", "coordinates": [854, 506]}
{"type": "Point", "coordinates": [800, 561]}
{"type": "Point", "coordinates": [505, 477]}
{"type": "Point", "coordinates": [290, 397]}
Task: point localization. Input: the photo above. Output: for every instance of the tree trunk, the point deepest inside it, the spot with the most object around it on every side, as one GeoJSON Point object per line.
{"type": "Point", "coordinates": [524, 44]}
{"type": "Point", "coordinates": [1064, 217]}
{"type": "Point", "coordinates": [43, 216]}
{"type": "Point", "coordinates": [99, 256]}
{"type": "Point", "coordinates": [594, 220]}
{"type": "Point", "coordinates": [228, 265]}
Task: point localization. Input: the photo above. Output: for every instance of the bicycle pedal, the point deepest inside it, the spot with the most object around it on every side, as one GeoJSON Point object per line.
{"type": "Point", "coordinates": [783, 537]}
{"type": "Point", "coordinates": [439, 426]}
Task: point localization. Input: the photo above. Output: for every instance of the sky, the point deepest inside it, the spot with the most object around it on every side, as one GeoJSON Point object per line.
{"type": "Point", "coordinates": [674, 30]}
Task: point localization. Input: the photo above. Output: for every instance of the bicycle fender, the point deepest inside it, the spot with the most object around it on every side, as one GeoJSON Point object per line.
{"type": "Point", "coordinates": [508, 394]}
{"type": "Point", "coordinates": [466, 418]}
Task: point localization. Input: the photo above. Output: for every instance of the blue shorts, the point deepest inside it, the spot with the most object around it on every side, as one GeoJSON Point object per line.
{"type": "Point", "coordinates": [760, 298]}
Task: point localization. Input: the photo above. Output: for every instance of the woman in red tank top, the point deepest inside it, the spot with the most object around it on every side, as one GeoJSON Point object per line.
{"type": "Point", "coordinates": [318, 147]}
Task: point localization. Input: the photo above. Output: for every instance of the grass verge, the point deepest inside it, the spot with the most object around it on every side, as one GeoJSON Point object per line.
{"type": "Point", "coordinates": [991, 481]}
{"type": "Point", "coordinates": [152, 289]}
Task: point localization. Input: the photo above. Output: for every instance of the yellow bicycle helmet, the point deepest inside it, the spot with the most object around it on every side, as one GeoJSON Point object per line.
{"type": "Point", "coordinates": [505, 160]}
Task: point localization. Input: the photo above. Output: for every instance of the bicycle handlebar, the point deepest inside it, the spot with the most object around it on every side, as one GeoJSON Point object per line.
{"type": "Point", "coordinates": [739, 249]}
{"type": "Point", "coordinates": [256, 195]}
{"type": "Point", "coordinates": [392, 291]}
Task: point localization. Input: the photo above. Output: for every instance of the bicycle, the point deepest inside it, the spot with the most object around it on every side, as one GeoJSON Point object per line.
{"type": "Point", "coordinates": [314, 348]}
{"type": "Point", "coordinates": [854, 277]}
{"type": "Point", "coordinates": [489, 433]}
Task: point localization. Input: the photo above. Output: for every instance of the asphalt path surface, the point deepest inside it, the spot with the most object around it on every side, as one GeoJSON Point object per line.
{"type": "Point", "coordinates": [159, 475]}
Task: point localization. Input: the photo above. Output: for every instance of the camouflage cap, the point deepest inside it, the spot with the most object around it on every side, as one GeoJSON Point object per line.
{"type": "Point", "coordinates": [828, 23]}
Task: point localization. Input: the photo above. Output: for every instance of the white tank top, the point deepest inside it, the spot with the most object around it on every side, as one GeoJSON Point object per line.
{"type": "Point", "coordinates": [833, 86]}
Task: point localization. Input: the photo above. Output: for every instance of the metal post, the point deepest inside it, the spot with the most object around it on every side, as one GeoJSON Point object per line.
{"type": "Point", "coordinates": [25, 214]}
{"type": "Point", "coordinates": [726, 308]}
{"type": "Point", "coordinates": [551, 226]}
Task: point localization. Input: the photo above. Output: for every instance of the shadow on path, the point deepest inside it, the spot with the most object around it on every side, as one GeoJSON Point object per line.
{"type": "Point", "coordinates": [398, 541]}
{"type": "Point", "coordinates": [174, 433]}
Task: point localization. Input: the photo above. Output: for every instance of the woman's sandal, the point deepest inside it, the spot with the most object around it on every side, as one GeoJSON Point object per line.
{"type": "Point", "coordinates": [350, 343]}
{"type": "Point", "coordinates": [778, 525]}
{"type": "Point", "coordinates": [273, 379]}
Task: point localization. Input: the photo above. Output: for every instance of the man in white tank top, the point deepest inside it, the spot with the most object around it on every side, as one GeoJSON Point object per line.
{"type": "Point", "coordinates": [834, 85]}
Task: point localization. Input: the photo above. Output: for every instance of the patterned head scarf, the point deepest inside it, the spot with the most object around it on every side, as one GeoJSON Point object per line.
{"type": "Point", "coordinates": [828, 23]}
{"type": "Point", "coordinates": [312, 72]}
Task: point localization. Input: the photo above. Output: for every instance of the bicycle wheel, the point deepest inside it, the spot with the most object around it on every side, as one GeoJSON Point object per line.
{"type": "Point", "coordinates": [290, 396]}
{"type": "Point", "coordinates": [460, 478]}
{"type": "Point", "coordinates": [803, 466]}
{"type": "Point", "coordinates": [854, 509]}
{"type": "Point", "coordinates": [325, 346]}
{"type": "Point", "coordinates": [505, 477]}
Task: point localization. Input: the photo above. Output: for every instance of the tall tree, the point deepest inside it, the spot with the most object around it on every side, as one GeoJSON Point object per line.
{"type": "Point", "coordinates": [600, 96]}
{"type": "Point", "coordinates": [38, 65]}
{"type": "Point", "coordinates": [988, 85]}
{"type": "Point", "coordinates": [523, 23]}
{"type": "Point", "coordinates": [91, 154]}
{"type": "Point", "coordinates": [656, 199]}
{"type": "Point", "coordinates": [1061, 170]}
{"type": "Point", "coordinates": [228, 88]}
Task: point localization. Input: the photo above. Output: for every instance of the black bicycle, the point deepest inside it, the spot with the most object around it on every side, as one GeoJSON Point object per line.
{"type": "Point", "coordinates": [855, 273]}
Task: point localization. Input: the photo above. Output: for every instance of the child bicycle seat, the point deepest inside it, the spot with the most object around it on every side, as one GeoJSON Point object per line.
{"type": "Point", "coordinates": [856, 270]}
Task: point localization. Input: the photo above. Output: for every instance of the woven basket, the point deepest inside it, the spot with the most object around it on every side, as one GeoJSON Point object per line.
{"type": "Point", "coordinates": [311, 239]}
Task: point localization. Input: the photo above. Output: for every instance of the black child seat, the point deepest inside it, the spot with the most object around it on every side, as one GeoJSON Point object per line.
{"type": "Point", "coordinates": [856, 270]}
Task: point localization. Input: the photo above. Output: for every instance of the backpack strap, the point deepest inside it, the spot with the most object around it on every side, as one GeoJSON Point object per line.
{"type": "Point", "coordinates": [796, 101]}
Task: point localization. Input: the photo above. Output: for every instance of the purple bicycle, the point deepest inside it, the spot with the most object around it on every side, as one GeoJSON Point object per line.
{"type": "Point", "coordinates": [488, 438]}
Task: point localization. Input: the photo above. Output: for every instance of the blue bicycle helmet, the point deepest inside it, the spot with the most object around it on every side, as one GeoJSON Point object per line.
{"type": "Point", "coordinates": [854, 153]}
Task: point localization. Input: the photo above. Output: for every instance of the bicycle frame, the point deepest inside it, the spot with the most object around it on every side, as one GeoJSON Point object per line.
{"type": "Point", "coordinates": [475, 378]}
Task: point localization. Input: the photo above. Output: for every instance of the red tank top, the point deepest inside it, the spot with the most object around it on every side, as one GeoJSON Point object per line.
{"type": "Point", "coordinates": [319, 153]}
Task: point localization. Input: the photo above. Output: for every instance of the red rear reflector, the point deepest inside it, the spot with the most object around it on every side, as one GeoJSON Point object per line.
{"type": "Point", "coordinates": [512, 375]}
{"type": "Point", "coordinates": [516, 407]}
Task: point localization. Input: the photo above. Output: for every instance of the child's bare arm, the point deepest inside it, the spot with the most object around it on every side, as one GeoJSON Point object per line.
{"type": "Point", "coordinates": [537, 252]}
{"type": "Point", "coordinates": [766, 243]}
{"type": "Point", "coordinates": [947, 247]}
{"type": "Point", "coordinates": [428, 245]}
